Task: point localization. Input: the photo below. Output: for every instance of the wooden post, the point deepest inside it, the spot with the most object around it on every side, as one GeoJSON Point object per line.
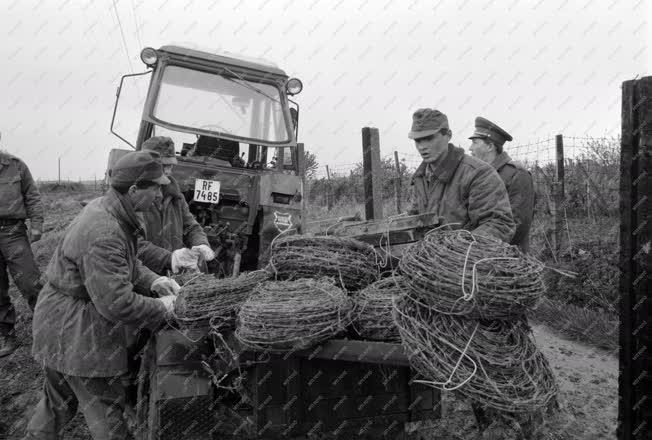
{"type": "Point", "coordinates": [329, 191]}
{"type": "Point", "coordinates": [397, 182]}
{"type": "Point", "coordinates": [635, 332]}
{"type": "Point", "coordinates": [372, 173]}
{"type": "Point", "coordinates": [301, 172]}
{"type": "Point", "coordinates": [558, 196]}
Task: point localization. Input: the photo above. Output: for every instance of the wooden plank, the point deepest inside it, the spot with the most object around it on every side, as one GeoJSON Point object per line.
{"type": "Point", "coordinates": [358, 351]}
{"type": "Point", "coordinates": [337, 378]}
{"type": "Point", "coordinates": [627, 154]}
{"type": "Point", "coordinates": [372, 169]}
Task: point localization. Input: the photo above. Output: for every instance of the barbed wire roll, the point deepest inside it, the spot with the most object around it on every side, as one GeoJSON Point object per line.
{"type": "Point", "coordinates": [205, 299]}
{"type": "Point", "coordinates": [460, 273]}
{"type": "Point", "coordinates": [493, 362]}
{"type": "Point", "coordinates": [372, 309]}
{"type": "Point", "coordinates": [291, 315]}
{"type": "Point", "coordinates": [350, 262]}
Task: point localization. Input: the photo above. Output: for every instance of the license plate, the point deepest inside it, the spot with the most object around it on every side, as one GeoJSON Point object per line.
{"type": "Point", "coordinates": [207, 191]}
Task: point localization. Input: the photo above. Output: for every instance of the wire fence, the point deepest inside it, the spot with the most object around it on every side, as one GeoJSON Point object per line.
{"type": "Point", "coordinates": [70, 185]}
{"type": "Point", "coordinates": [576, 181]}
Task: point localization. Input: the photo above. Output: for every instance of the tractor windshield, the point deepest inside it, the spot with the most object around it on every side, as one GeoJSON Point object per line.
{"type": "Point", "coordinates": [222, 104]}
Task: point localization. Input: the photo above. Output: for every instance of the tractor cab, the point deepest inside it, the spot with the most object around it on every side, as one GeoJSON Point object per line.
{"type": "Point", "coordinates": [235, 128]}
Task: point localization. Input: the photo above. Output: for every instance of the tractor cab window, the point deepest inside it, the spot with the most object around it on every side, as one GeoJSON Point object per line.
{"type": "Point", "coordinates": [222, 104]}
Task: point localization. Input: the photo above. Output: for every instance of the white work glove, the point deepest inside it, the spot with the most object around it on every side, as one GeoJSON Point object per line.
{"type": "Point", "coordinates": [168, 302]}
{"type": "Point", "coordinates": [185, 258]}
{"type": "Point", "coordinates": [205, 251]}
{"type": "Point", "coordinates": [164, 286]}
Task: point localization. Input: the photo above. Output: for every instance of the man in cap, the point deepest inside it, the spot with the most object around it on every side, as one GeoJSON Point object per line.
{"type": "Point", "coordinates": [88, 309]}
{"type": "Point", "coordinates": [463, 190]}
{"type": "Point", "coordinates": [173, 238]}
{"type": "Point", "coordinates": [487, 145]}
{"type": "Point", "coordinates": [19, 200]}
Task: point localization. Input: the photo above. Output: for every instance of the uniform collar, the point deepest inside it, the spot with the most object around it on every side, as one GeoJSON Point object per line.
{"type": "Point", "coordinates": [445, 168]}
{"type": "Point", "coordinates": [501, 160]}
{"type": "Point", "coordinates": [123, 210]}
{"type": "Point", "coordinates": [5, 158]}
{"type": "Point", "coordinates": [172, 189]}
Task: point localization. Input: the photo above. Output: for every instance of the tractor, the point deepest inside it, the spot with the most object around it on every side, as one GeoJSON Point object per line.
{"type": "Point", "coordinates": [241, 170]}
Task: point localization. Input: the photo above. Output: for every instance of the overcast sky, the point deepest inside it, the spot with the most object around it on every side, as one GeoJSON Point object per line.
{"type": "Point", "coordinates": [537, 68]}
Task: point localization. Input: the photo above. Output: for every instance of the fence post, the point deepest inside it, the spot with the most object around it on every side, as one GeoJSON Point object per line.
{"type": "Point", "coordinates": [329, 191]}
{"type": "Point", "coordinates": [398, 181]}
{"type": "Point", "coordinates": [372, 173]}
{"type": "Point", "coordinates": [558, 196]}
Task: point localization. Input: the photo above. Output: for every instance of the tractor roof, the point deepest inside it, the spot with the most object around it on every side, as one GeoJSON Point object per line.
{"type": "Point", "coordinates": [224, 57]}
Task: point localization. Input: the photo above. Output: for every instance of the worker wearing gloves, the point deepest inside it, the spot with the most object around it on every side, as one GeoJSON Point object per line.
{"type": "Point", "coordinates": [88, 309]}
{"type": "Point", "coordinates": [173, 238]}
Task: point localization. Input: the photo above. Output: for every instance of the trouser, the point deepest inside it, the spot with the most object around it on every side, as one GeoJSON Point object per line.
{"type": "Point", "coordinates": [16, 257]}
{"type": "Point", "coordinates": [100, 399]}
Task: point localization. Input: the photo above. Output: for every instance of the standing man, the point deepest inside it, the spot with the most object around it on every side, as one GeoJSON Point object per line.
{"type": "Point", "coordinates": [487, 145]}
{"type": "Point", "coordinates": [173, 238]}
{"type": "Point", "coordinates": [19, 200]}
{"type": "Point", "coordinates": [88, 309]}
{"type": "Point", "coordinates": [461, 189]}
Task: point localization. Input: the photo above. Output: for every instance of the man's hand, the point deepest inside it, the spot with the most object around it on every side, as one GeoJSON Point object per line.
{"type": "Point", "coordinates": [34, 235]}
{"type": "Point", "coordinates": [164, 286]}
{"type": "Point", "coordinates": [185, 258]}
{"type": "Point", "coordinates": [205, 251]}
{"type": "Point", "coordinates": [168, 302]}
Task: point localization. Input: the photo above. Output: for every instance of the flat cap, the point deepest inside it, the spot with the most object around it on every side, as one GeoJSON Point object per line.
{"type": "Point", "coordinates": [164, 146]}
{"type": "Point", "coordinates": [138, 166]}
{"type": "Point", "coordinates": [485, 129]}
{"type": "Point", "coordinates": [426, 122]}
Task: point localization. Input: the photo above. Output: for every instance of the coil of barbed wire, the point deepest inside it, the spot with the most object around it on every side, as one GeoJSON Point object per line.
{"type": "Point", "coordinates": [350, 262]}
{"type": "Point", "coordinates": [205, 299]}
{"type": "Point", "coordinates": [461, 273]}
{"type": "Point", "coordinates": [372, 309]}
{"type": "Point", "coordinates": [285, 316]}
{"type": "Point", "coordinates": [493, 362]}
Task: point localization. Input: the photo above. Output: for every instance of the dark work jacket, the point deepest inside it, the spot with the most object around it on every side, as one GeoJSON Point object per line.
{"type": "Point", "coordinates": [520, 189]}
{"type": "Point", "coordinates": [86, 314]}
{"type": "Point", "coordinates": [466, 191]}
{"type": "Point", "coordinates": [169, 226]}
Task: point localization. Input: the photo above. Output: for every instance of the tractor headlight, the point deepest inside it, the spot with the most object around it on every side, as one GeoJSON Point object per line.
{"type": "Point", "coordinates": [293, 86]}
{"type": "Point", "coordinates": [149, 56]}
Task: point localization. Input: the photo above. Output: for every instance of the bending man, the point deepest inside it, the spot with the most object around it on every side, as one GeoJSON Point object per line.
{"type": "Point", "coordinates": [88, 309]}
{"type": "Point", "coordinates": [173, 238]}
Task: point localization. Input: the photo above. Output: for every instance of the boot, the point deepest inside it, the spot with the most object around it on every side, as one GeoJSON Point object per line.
{"type": "Point", "coordinates": [8, 344]}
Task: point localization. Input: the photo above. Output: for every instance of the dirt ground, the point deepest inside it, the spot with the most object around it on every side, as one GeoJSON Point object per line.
{"type": "Point", "coordinates": [587, 377]}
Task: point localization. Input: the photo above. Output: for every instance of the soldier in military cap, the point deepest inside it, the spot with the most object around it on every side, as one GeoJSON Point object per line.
{"type": "Point", "coordinates": [173, 238]}
{"type": "Point", "coordinates": [462, 189]}
{"type": "Point", "coordinates": [89, 306]}
{"type": "Point", "coordinates": [487, 145]}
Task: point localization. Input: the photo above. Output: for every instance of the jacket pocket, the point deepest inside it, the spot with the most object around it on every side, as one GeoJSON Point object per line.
{"type": "Point", "coordinates": [11, 195]}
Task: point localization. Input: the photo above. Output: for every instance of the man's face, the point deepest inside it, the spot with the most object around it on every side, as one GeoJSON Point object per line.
{"type": "Point", "coordinates": [167, 169]}
{"type": "Point", "coordinates": [142, 198]}
{"type": "Point", "coordinates": [481, 149]}
{"type": "Point", "coordinates": [432, 147]}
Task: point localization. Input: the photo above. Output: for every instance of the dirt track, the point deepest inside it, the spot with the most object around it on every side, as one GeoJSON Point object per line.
{"type": "Point", "coordinates": [587, 379]}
